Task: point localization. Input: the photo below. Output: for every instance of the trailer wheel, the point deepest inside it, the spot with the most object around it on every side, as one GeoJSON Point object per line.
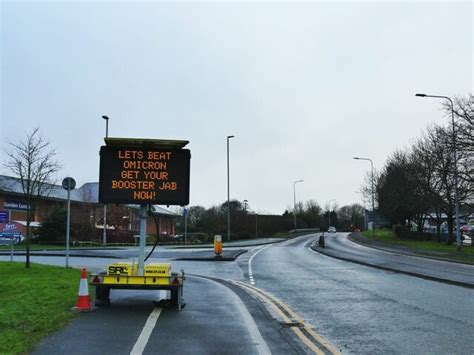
{"type": "Point", "coordinates": [102, 295]}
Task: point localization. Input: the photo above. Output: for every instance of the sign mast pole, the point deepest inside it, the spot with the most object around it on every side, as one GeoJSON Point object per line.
{"type": "Point", "coordinates": [68, 184]}
{"type": "Point", "coordinates": [141, 256]}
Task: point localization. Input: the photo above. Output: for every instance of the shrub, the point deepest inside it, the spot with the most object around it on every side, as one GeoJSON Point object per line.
{"type": "Point", "coordinates": [398, 230]}
{"type": "Point", "coordinates": [53, 228]}
{"type": "Point", "coordinates": [404, 233]}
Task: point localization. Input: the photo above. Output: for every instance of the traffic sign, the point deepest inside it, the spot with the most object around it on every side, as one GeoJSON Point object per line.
{"type": "Point", "coordinates": [69, 183]}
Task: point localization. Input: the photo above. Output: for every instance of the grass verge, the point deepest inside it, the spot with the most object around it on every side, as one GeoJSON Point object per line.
{"type": "Point", "coordinates": [429, 248]}
{"type": "Point", "coordinates": [35, 302]}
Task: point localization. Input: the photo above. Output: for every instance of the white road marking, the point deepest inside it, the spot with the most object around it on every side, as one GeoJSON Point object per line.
{"type": "Point", "coordinates": [142, 340]}
{"type": "Point", "coordinates": [257, 339]}
{"type": "Point", "coordinates": [252, 280]}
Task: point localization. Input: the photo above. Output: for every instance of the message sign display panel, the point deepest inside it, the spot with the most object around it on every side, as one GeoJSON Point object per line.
{"type": "Point", "coordinates": [135, 175]}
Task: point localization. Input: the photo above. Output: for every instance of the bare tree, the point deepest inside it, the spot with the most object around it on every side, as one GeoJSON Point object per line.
{"type": "Point", "coordinates": [437, 152]}
{"type": "Point", "coordinates": [370, 182]}
{"type": "Point", "coordinates": [464, 113]}
{"type": "Point", "coordinates": [34, 162]}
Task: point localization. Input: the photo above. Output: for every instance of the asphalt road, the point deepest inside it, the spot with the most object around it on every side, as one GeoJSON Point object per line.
{"type": "Point", "coordinates": [355, 308]}
{"type": "Point", "coordinates": [364, 310]}
{"type": "Point", "coordinates": [218, 318]}
{"type": "Point", "coordinates": [339, 246]}
{"type": "Point", "coordinates": [214, 321]}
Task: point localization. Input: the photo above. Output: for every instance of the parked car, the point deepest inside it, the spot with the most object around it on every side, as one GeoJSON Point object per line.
{"type": "Point", "coordinates": [332, 229]}
{"type": "Point", "coordinates": [467, 229]}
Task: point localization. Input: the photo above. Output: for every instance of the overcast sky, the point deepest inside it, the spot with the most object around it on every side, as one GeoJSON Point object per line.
{"type": "Point", "coordinates": [303, 87]}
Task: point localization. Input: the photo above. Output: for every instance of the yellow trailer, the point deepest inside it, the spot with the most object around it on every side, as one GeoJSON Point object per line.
{"type": "Point", "coordinates": [124, 275]}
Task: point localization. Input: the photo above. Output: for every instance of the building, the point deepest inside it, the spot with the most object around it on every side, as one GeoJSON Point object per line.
{"type": "Point", "coordinates": [123, 221]}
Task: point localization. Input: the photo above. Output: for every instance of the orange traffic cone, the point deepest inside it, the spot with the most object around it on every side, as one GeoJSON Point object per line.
{"type": "Point", "coordinates": [83, 303]}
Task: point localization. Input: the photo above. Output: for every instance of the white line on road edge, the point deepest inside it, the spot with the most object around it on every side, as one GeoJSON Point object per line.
{"type": "Point", "coordinates": [146, 332]}
{"type": "Point", "coordinates": [252, 281]}
{"type": "Point", "coordinates": [252, 328]}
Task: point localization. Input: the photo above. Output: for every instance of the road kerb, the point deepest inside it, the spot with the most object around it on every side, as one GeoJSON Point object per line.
{"type": "Point", "coordinates": [409, 273]}
{"type": "Point", "coordinates": [304, 332]}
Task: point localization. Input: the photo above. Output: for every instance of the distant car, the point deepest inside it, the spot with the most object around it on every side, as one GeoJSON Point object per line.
{"type": "Point", "coordinates": [332, 229]}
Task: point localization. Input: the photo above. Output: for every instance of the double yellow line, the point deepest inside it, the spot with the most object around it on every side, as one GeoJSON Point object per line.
{"type": "Point", "coordinates": [303, 331]}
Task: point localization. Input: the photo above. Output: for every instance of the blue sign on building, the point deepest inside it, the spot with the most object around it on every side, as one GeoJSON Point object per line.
{"type": "Point", "coordinates": [15, 205]}
{"type": "Point", "coordinates": [3, 216]}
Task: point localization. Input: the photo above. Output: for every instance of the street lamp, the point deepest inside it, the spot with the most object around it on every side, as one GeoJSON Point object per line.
{"type": "Point", "coordinates": [363, 201]}
{"type": "Point", "coordinates": [246, 217]}
{"type": "Point", "coordinates": [256, 224]}
{"type": "Point", "coordinates": [104, 235]}
{"type": "Point", "coordinates": [329, 211]}
{"type": "Point", "coordinates": [456, 196]}
{"type": "Point", "coordinates": [106, 118]}
{"type": "Point", "coordinates": [373, 191]}
{"type": "Point", "coordinates": [228, 190]}
{"type": "Point", "coordinates": [294, 199]}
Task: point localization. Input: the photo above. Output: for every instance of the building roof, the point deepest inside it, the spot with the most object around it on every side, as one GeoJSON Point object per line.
{"type": "Point", "coordinates": [87, 193]}
{"type": "Point", "coordinates": [56, 192]}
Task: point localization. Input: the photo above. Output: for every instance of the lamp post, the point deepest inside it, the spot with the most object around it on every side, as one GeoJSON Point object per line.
{"type": "Point", "coordinates": [373, 191]}
{"type": "Point", "coordinates": [246, 217]}
{"type": "Point", "coordinates": [256, 225]}
{"type": "Point", "coordinates": [104, 235]}
{"type": "Point", "coordinates": [294, 200]}
{"type": "Point", "coordinates": [228, 190]}
{"type": "Point", "coordinates": [456, 196]}
{"type": "Point", "coordinates": [329, 211]}
{"type": "Point", "coordinates": [372, 169]}
{"type": "Point", "coordinates": [363, 201]}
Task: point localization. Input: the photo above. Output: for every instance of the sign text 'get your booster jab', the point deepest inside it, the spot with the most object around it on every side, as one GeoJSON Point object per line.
{"type": "Point", "coordinates": [144, 175]}
{"type": "Point", "coordinates": [130, 175]}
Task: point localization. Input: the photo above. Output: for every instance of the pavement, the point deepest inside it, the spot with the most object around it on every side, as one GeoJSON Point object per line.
{"type": "Point", "coordinates": [397, 259]}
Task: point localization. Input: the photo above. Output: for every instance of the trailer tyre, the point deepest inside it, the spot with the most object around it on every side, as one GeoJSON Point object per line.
{"type": "Point", "coordinates": [102, 295]}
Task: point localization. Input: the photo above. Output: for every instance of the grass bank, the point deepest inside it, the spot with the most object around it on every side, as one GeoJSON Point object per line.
{"type": "Point", "coordinates": [35, 302]}
{"type": "Point", "coordinates": [427, 248]}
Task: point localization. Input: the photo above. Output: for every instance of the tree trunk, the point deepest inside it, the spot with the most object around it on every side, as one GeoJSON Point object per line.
{"type": "Point", "coordinates": [438, 230]}
{"type": "Point", "coordinates": [420, 224]}
{"type": "Point", "coordinates": [450, 221]}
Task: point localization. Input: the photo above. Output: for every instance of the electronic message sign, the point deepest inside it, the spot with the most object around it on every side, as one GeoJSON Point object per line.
{"type": "Point", "coordinates": [136, 175]}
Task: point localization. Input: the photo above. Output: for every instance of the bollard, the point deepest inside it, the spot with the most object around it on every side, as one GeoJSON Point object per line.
{"type": "Point", "coordinates": [218, 245]}
{"type": "Point", "coordinates": [321, 241]}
